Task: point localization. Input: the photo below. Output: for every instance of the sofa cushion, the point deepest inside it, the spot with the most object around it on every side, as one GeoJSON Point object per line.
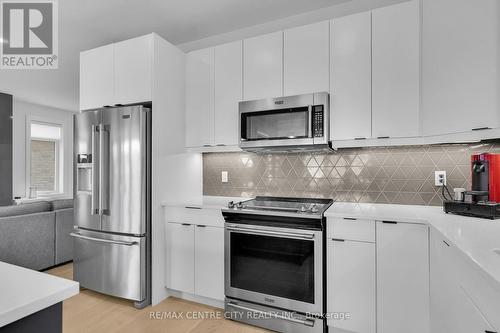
{"type": "Point", "coordinates": [62, 204]}
{"type": "Point", "coordinates": [25, 209]}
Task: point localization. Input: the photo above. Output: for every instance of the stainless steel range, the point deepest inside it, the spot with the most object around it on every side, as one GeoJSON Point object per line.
{"type": "Point", "coordinates": [274, 263]}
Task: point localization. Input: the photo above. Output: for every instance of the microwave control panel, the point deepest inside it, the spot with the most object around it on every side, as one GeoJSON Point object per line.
{"type": "Point", "coordinates": [318, 121]}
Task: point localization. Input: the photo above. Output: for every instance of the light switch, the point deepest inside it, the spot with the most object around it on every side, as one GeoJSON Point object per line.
{"type": "Point", "coordinates": [224, 176]}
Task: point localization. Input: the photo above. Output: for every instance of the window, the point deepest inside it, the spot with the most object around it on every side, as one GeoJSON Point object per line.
{"type": "Point", "coordinates": [45, 174]}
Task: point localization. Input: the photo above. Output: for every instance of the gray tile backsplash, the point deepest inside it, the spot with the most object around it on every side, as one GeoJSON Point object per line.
{"type": "Point", "coordinates": [399, 175]}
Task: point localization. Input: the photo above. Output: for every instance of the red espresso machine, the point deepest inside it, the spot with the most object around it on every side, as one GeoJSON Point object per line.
{"type": "Point", "coordinates": [483, 200]}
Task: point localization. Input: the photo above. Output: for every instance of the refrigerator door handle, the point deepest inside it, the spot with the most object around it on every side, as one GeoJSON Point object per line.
{"type": "Point", "coordinates": [94, 202]}
{"type": "Point", "coordinates": [101, 146]}
{"type": "Point", "coordinates": [100, 240]}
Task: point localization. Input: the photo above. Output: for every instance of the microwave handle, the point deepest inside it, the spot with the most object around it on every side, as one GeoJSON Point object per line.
{"type": "Point", "coordinates": [310, 112]}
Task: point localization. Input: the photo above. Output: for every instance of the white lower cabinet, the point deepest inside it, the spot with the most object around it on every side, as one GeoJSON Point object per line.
{"type": "Point", "coordinates": [180, 253]}
{"type": "Point", "coordinates": [351, 281]}
{"type": "Point", "coordinates": [196, 259]}
{"type": "Point", "coordinates": [209, 262]}
{"type": "Point", "coordinates": [402, 277]}
{"type": "Point", "coordinates": [452, 309]}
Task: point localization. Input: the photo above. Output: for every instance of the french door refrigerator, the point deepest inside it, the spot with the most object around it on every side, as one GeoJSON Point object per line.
{"type": "Point", "coordinates": [112, 202]}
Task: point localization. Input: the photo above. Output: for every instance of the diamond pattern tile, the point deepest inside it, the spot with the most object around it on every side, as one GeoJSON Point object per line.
{"type": "Point", "coordinates": [402, 175]}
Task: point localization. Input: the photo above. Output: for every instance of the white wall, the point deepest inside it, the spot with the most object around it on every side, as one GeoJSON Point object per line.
{"type": "Point", "coordinates": [22, 111]}
{"type": "Point", "coordinates": [176, 176]}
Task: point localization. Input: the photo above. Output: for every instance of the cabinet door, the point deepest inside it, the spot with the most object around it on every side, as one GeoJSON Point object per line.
{"type": "Point", "coordinates": [452, 310]}
{"type": "Point", "coordinates": [180, 256]}
{"type": "Point", "coordinates": [460, 65]}
{"type": "Point", "coordinates": [209, 262]}
{"type": "Point", "coordinates": [97, 77]}
{"type": "Point", "coordinates": [396, 70]}
{"type": "Point", "coordinates": [263, 66]}
{"type": "Point", "coordinates": [306, 59]}
{"type": "Point", "coordinates": [133, 70]}
{"type": "Point", "coordinates": [402, 278]}
{"type": "Point", "coordinates": [441, 281]}
{"type": "Point", "coordinates": [351, 285]}
{"type": "Point", "coordinates": [228, 92]}
{"type": "Point", "coordinates": [351, 70]}
{"type": "Point", "coordinates": [200, 98]}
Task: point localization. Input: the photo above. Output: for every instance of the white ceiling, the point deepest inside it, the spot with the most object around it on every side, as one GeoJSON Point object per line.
{"type": "Point", "coordinates": [85, 24]}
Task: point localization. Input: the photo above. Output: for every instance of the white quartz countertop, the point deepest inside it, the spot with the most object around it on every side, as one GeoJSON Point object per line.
{"type": "Point", "coordinates": [478, 239]}
{"type": "Point", "coordinates": [24, 292]}
{"type": "Point", "coordinates": [206, 202]}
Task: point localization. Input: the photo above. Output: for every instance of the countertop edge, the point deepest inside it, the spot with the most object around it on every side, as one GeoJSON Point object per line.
{"type": "Point", "coordinates": [39, 304]}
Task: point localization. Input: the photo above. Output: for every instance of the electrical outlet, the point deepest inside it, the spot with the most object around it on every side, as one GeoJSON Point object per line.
{"type": "Point", "coordinates": [224, 176]}
{"type": "Point", "coordinates": [439, 178]}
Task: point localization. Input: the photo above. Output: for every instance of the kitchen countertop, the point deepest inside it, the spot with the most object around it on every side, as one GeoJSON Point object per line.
{"type": "Point", "coordinates": [476, 238]}
{"type": "Point", "coordinates": [24, 291]}
{"type": "Point", "coordinates": [207, 202]}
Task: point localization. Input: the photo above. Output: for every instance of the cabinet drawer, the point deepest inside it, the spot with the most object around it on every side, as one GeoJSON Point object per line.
{"type": "Point", "coordinates": [351, 229]}
{"type": "Point", "coordinates": [204, 216]}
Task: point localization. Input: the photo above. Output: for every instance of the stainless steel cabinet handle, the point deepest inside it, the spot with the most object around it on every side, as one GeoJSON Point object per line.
{"type": "Point", "coordinates": [76, 235]}
{"type": "Point", "coordinates": [271, 233]}
{"type": "Point", "coordinates": [307, 322]}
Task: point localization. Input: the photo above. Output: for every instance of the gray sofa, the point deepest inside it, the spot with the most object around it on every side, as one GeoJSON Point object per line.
{"type": "Point", "coordinates": [36, 235]}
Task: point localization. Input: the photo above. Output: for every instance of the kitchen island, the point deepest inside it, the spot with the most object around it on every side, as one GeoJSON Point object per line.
{"type": "Point", "coordinates": [31, 301]}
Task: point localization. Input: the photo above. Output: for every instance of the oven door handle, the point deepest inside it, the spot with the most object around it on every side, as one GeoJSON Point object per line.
{"type": "Point", "coordinates": [272, 233]}
{"type": "Point", "coordinates": [307, 322]}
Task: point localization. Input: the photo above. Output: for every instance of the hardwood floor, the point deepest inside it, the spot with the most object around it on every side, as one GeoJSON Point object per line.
{"type": "Point", "coordinates": [91, 312]}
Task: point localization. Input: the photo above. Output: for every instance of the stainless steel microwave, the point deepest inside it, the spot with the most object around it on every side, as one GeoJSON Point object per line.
{"type": "Point", "coordinates": [289, 123]}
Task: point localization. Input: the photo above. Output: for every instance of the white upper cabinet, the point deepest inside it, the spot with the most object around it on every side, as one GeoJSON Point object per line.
{"type": "Point", "coordinates": [200, 98]}
{"type": "Point", "coordinates": [133, 70]}
{"type": "Point", "coordinates": [460, 65]}
{"type": "Point", "coordinates": [119, 73]}
{"type": "Point", "coordinates": [263, 66]}
{"type": "Point", "coordinates": [306, 59]}
{"type": "Point", "coordinates": [228, 92]}
{"type": "Point", "coordinates": [396, 70]}
{"type": "Point", "coordinates": [350, 95]}
{"type": "Point", "coordinates": [97, 77]}
{"type": "Point", "coordinates": [402, 278]}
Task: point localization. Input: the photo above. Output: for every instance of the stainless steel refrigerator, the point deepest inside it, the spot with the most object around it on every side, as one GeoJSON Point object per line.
{"type": "Point", "coordinates": [112, 202]}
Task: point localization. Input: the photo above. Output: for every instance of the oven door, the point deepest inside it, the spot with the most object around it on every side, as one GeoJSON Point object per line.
{"type": "Point", "coordinates": [278, 267]}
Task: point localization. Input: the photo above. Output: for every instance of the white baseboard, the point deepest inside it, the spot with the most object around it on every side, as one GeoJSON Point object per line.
{"type": "Point", "coordinates": [196, 298]}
